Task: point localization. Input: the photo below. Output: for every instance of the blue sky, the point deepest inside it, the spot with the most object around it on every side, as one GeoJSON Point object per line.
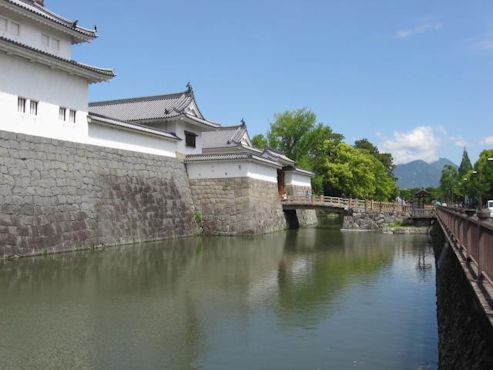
{"type": "Point", "coordinates": [414, 76]}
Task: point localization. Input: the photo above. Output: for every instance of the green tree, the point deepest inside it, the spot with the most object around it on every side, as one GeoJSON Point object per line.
{"type": "Point", "coordinates": [482, 177]}
{"type": "Point", "coordinates": [465, 164]}
{"type": "Point", "coordinates": [467, 188]}
{"type": "Point", "coordinates": [259, 141]}
{"type": "Point", "coordinates": [289, 133]}
{"type": "Point", "coordinates": [386, 158]}
{"type": "Point", "coordinates": [449, 183]}
{"type": "Point", "coordinates": [321, 143]}
{"type": "Point", "coordinates": [297, 135]}
{"type": "Point", "coordinates": [339, 168]}
{"type": "Point", "coordinates": [356, 173]}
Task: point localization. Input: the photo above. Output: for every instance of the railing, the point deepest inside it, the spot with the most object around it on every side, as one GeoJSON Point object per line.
{"type": "Point", "coordinates": [346, 203]}
{"type": "Point", "coordinates": [473, 237]}
{"type": "Point", "coordinates": [426, 212]}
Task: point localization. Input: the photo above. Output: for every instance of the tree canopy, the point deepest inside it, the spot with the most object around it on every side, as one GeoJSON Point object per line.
{"type": "Point", "coordinates": [290, 132]}
{"type": "Point", "coordinates": [340, 169]}
{"type": "Point", "coordinates": [385, 158]}
{"type": "Point", "coordinates": [354, 172]}
{"type": "Point", "coordinates": [259, 141]}
{"type": "Point", "coordinates": [449, 186]}
{"type": "Point", "coordinates": [465, 164]}
{"type": "Point", "coordinates": [469, 185]}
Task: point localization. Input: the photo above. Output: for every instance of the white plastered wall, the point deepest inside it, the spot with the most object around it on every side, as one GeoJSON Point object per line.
{"type": "Point", "coordinates": [180, 128]}
{"type": "Point", "coordinates": [127, 140]}
{"type": "Point", "coordinates": [51, 88]}
{"type": "Point", "coordinates": [230, 169]}
{"type": "Point", "coordinates": [30, 34]}
{"type": "Point", "coordinates": [297, 179]}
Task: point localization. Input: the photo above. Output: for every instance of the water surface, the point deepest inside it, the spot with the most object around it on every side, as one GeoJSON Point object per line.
{"type": "Point", "coordinates": [313, 298]}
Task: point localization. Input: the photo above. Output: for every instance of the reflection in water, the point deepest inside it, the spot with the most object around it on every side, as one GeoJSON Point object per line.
{"type": "Point", "coordinates": [311, 298]}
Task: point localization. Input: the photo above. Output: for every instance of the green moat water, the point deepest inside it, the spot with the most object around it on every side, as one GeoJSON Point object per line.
{"type": "Point", "coordinates": [313, 298]}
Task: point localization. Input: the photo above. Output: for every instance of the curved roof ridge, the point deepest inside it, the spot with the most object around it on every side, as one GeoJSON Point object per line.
{"type": "Point", "coordinates": [138, 99]}
{"type": "Point", "coordinates": [185, 102]}
{"type": "Point", "coordinates": [190, 91]}
{"type": "Point", "coordinates": [41, 11]}
{"type": "Point", "coordinates": [230, 127]}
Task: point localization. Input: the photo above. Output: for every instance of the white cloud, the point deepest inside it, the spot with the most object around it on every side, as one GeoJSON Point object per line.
{"type": "Point", "coordinates": [442, 130]}
{"type": "Point", "coordinates": [419, 143]}
{"type": "Point", "coordinates": [485, 44]}
{"type": "Point", "coordinates": [422, 28]}
{"type": "Point", "coordinates": [458, 140]}
{"type": "Point", "coordinates": [487, 140]}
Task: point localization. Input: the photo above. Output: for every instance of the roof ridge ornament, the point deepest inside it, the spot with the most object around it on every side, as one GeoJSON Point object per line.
{"type": "Point", "coordinates": [242, 121]}
{"type": "Point", "coordinates": [189, 87]}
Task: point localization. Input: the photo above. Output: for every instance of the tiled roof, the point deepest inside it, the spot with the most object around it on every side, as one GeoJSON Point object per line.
{"type": "Point", "coordinates": [191, 158]}
{"type": "Point", "coordinates": [224, 136]}
{"type": "Point", "coordinates": [97, 118]}
{"type": "Point", "coordinates": [6, 43]}
{"type": "Point", "coordinates": [273, 155]}
{"type": "Point", "coordinates": [44, 13]}
{"type": "Point", "coordinates": [148, 107]}
{"type": "Point", "coordinates": [301, 171]}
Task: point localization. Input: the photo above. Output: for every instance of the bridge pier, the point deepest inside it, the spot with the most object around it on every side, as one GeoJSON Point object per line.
{"type": "Point", "coordinates": [300, 217]}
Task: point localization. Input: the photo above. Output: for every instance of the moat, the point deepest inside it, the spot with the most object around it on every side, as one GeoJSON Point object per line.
{"type": "Point", "coordinates": [313, 298]}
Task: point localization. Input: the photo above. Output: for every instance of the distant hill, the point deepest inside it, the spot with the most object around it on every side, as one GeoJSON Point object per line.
{"type": "Point", "coordinates": [417, 174]}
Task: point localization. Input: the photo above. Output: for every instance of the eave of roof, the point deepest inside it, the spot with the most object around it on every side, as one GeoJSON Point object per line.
{"type": "Point", "coordinates": [202, 121]}
{"type": "Point", "coordinates": [182, 116]}
{"type": "Point", "coordinates": [200, 158]}
{"type": "Point", "coordinates": [98, 119]}
{"type": "Point", "coordinates": [301, 171]}
{"type": "Point", "coordinates": [91, 73]}
{"type": "Point", "coordinates": [41, 14]}
{"type": "Point", "coordinates": [279, 156]}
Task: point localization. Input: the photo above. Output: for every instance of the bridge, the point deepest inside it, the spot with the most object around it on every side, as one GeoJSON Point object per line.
{"type": "Point", "coordinates": [471, 237]}
{"type": "Point", "coordinates": [349, 205]}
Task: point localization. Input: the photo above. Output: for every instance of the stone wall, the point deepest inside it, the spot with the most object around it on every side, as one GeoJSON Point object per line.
{"type": "Point", "coordinates": [465, 332]}
{"type": "Point", "coordinates": [361, 220]}
{"type": "Point", "coordinates": [58, 196]}
{"type": "Point", "coordinates": [305, 217]}
{"type": "Point", "coordinates": [238, 206]}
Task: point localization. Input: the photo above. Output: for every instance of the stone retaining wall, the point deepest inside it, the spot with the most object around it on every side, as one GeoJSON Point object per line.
{"type": "Point", "coordinates": [307, 217]}
{"type": "Point", "coordinates": [361, 220]}
{"type": "Point", "coordinates": [238, 206]}
{"type": "Point", "coordinates": [57, 196]}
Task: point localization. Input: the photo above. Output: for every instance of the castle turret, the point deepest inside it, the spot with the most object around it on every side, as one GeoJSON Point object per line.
{"type": "Point", "coordinates": [43, 91]}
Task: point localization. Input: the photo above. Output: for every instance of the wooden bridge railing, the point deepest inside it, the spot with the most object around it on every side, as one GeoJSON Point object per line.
{"type": "Point", "coordinates": [347, 203]}
{"type": "Point", "coordinates": [426, 212]}
{"type": "Point", "coordinates": [473, 236]}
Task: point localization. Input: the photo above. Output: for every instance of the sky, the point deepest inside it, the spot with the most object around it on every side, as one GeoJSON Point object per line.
{"type": "Point", "coordinates": [414, 77]}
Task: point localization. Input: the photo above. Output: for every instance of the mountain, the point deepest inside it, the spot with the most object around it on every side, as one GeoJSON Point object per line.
{"type": "Point", "coordinates": [420, 174]}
